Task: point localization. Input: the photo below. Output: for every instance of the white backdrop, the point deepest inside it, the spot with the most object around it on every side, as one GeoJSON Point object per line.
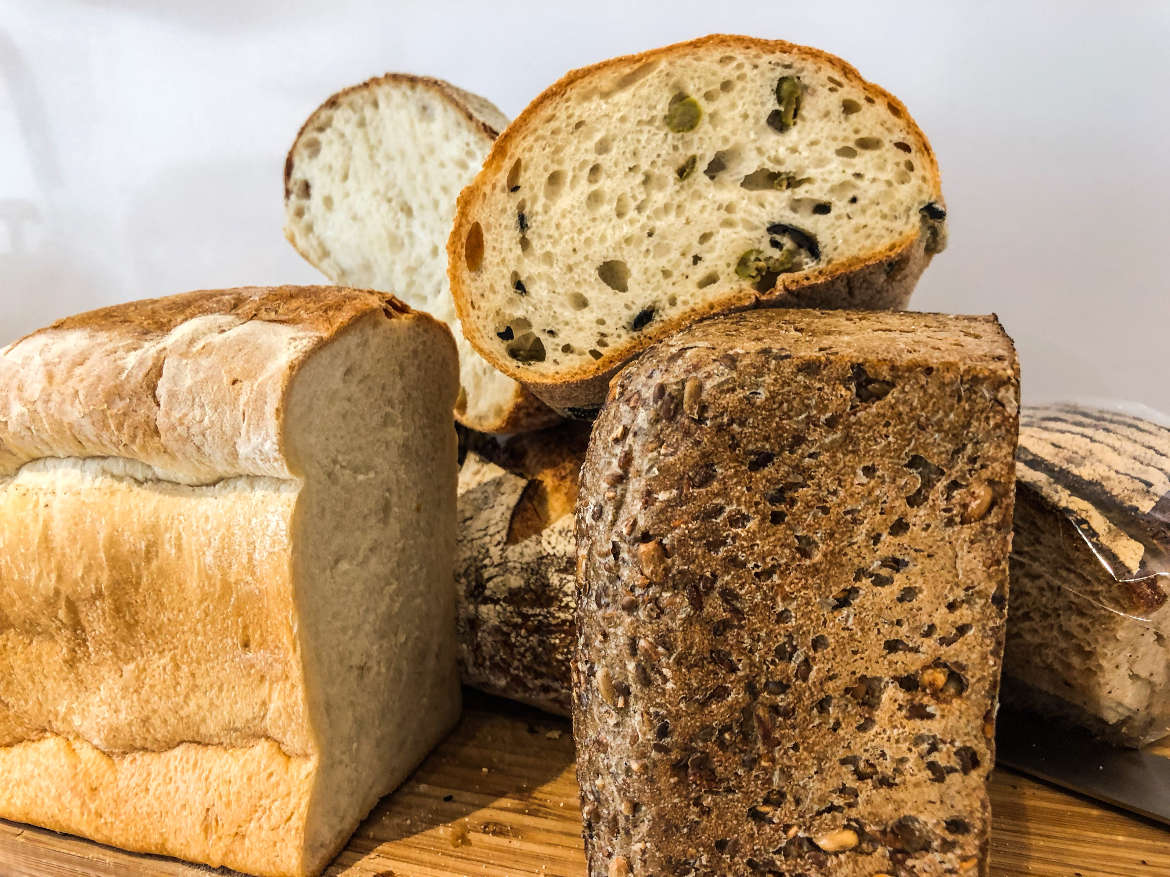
{"type": "Point", "coordinates": [142, 142]}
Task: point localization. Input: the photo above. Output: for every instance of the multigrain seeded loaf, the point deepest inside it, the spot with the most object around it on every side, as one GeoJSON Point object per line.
{"type": "Point", "coordinates": [369, 193]}
{"type": "Point", "coordinates": [226, 527]}
{"type": "Point", "coordinates": [793, 540]}
{"type": "Point", "coordinates": [515, 572]}
{"type": "Point", "coordinates": [1088, 639]}
{"type": "Point", "coordinates": [634, 196]}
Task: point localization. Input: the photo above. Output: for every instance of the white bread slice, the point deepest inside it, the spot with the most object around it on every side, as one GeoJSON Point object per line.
{"type": "Point", "coordinates": [370, 185]}
{"type": "Point", "coordinates": [642, 193]}
{"type": "Point", "coordinates": [227, 521]}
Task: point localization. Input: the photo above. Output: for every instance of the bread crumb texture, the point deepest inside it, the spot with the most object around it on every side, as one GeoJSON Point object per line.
{"type": "Point", "coordinates": [794, 529]}
{"type": "Point", "coordinates": [646, 191]}
{"type": "Point", "coordinates": [226, 526]}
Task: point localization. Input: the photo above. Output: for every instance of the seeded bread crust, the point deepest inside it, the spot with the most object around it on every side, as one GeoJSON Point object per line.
{"type": "Point", "coordinates": [516, 565]}
{"type": "Point", "coordinates": [1087, 639]}
{"type": "Point", "coordinates": [519, 410]}
{"type": "Point", "coordinates": [793, 536]}
{"type": "Point", "coordinates": [882, 278]}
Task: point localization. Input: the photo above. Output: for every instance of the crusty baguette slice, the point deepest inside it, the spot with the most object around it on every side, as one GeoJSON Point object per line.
{"type": "Point", "coordinates": [369, 193]}
{"type": "Point", "coordinates": [635, 196]}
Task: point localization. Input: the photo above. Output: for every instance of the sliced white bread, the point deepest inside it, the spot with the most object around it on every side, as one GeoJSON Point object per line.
{"type": "Point", "coordinates": [642, 193]}
{"type": "Point", "coordinates": [369, 191]}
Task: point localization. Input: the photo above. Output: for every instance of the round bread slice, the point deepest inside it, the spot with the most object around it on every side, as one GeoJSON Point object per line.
{"type": "Point", "coordinates": [637, 195]}
{"type": "Point", "coordinates": [369, 192]}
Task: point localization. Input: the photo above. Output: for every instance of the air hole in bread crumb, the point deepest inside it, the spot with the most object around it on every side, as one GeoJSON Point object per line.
{"type": "Point", "coordinates": [596, 354]}
{"type": "Point", "coordinates": [554, 184]}
{"type": "Point", "coordinates": [615, 274]}
{"type": "Point", "coordinates": [514, 176]}
{"type": "Point", "coordinates": [577, 301]}
{"type": "Point", "coordinates": [327, 202]}
{"type": "Point", "coordinates": [706, 236]}
{"type": "Point", "coordinates": [312, 147]}
{"type": "Point", "coordinates": [850, 106]}
{"type": "Point", "coordinates": [707, 279]}
{"type": "Point", "coordinates": [902, 145]}
{"type": "Point", "coordinates": [868, 143]}
{"type": "Point", "coordinates": [622, 206]}
{"type": "Point", "coordinates": [846, 152]}
{"type": "Point", "coordinates": [594, 199]}
{"type": "Point", "coordinates": [602, 146]}
{"type": "Point", "coordinates": [473, 248]}
{"type": "Point", "coordinates": [302, 189]}
{"type": "Point", "coordinates": [726, 85]}
{"type": "Point", "coordinates": [594, 173]}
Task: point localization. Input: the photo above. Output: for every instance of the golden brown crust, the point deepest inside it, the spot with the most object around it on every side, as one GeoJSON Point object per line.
{"type": "Point", "coordinates": [871, 286]}
{"type": "Point", "coordinates": [578, 385]}
{"type": "Point", "coordinates": [260, 799]}
{"type": "Point", "coordinates": [192, 384]}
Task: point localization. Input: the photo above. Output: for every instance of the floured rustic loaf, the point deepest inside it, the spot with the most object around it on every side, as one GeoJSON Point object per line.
{"type": "Point", "coordinates": [516, 561]}
{"type": "Point", "coordinates": [638, 195]}
{"type": "Point", "coordinates": [369, 193]}
{"type": "Point", "coordinates": [226, 527]}
{"type": "Point", "coordinates": [793, 545]}
{"type": "Point", "coordinates": [1089, 630]}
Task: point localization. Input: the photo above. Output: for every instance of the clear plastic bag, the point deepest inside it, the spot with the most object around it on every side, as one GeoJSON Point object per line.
{"type": "Point", "coordinates": [1089, 619]}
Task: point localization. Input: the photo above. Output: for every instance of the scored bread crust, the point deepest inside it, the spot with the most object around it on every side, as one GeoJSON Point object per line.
{"type": "Point", "coordinates": [101, 383]}
{"type": "Point", "coordinates": [523, 411]}
{"type": "Point", "coordinates": [892, 270]}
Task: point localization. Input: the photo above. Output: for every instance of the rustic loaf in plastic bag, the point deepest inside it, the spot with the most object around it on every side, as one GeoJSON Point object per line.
{"type": "Point", "coordinates": [1089, 627]}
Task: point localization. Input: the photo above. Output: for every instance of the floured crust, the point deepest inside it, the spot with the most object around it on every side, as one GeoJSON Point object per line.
{"type": "Point", "coordinates": [515, 566]}
{"type": "Point", "coordinates": [580, 386]}
{"type": "Point", "coordinates": [193, 384]}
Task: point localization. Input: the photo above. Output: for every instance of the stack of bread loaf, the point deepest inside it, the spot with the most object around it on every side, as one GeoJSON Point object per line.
{"type": "Point", "coordinates": [722, 500]}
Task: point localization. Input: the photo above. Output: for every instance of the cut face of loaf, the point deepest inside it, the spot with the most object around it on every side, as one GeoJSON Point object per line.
{"type": "Point", "coordinates": [226, 528]}
{"type": "Point", "coordinates": [793, 540]}
{"type": "Point", "coordinates": [637, 195]}
{"type": "Point", "coordinates": [515, 572]}
{"type": "Point", "coordinates": [369, 191]}
{"type": "Point", "coordinates": [1088, 635]}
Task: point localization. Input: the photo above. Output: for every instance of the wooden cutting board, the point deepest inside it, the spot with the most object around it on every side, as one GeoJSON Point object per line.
{"type": "Point", "coordinates": [499, 799]}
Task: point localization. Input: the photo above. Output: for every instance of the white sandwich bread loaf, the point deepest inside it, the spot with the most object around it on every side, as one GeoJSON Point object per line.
{"type": "Point", "coordinates": [227, 520]}
{"type": "Point", "coordinates": [637, 195]}
{"type": "Point", "coordinates": [369, 190]}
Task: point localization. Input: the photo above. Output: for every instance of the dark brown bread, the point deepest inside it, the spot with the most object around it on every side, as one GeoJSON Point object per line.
{"type": "Point", "coordinates": [1087, 640]}
{"type": "Point", "coordinates": [793, 534]}
{"type": "Point", "coordinates": [515, 568]}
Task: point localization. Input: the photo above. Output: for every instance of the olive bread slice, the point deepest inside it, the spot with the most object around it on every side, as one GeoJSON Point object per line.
{"type": "Point", "coordinates": [637, 195]}
{"type": "Point", "coordinates": [369, 193]}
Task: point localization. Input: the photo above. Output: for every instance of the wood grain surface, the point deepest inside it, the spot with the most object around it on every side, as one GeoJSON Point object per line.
{"type": "Point", "coordinates": [499, 799]}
